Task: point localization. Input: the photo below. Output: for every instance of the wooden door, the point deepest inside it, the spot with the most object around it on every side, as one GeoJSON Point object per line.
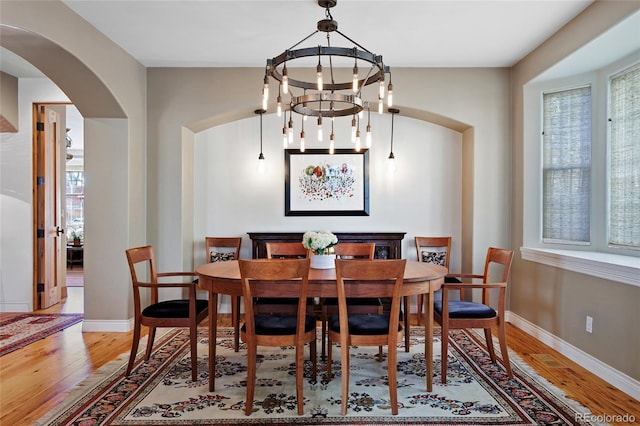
{"type": "Point", "coordinates": [49, 233]}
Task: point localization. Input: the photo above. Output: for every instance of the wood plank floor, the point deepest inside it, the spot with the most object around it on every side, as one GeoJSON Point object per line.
{"type": "Point", "coordinates": [34, 379]}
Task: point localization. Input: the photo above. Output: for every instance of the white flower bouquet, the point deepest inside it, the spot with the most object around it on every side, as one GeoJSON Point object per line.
{"type": "Point", "coordinates": [318, 242]}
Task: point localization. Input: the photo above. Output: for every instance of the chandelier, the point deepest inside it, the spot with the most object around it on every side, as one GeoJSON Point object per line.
{"type": "Point", "coordinates": [336, 90]}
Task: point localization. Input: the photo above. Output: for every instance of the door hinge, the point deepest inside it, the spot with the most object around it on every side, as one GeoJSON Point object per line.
{"type": "Point", "coordinates": [40, 287]}
{"type": "Point", "coordinates": [40, 233]}
{"type": "Point", "coordinates": [40, 126]}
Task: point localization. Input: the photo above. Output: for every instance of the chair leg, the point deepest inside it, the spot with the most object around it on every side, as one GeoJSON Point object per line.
{"type": "Point", "coordinates": [392, 370]}
{"type": "Point", "coordinates": [344, 368]}
{"type": "Point", "coordinates": [489, 340]}
{"type": "Point", "coordinates": [251, 378]}
{"type": "Point", "coordinates": [420, 308]}
{"type": "Point", "coordinates": [235, 321]}
{"type": "Point", "coordinates": [151, 337]}
{"type": "Point", "coordinates": [444, 350]}
{"type": "Point", "coordinates": [380, 356]}
{"type": "Point", "coordinates": [134, 347]}
{"type": "Point", "coordinates": [299, 378]}
{"type": "Point", "coordinates": [193, 341]}
{"type": "Point", "coordinates": [502, 335]}
{"type": "Point", "coordinates": [324, 331]}
{"type": "Point", "coordinates": [329, 357]}
{"type": "Point", "coordinates": [407, 332]}
{"type": "Point", "coordinates": [313, 353]}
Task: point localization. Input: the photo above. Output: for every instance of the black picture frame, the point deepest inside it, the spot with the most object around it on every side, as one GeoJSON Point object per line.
{"type": "Point", "coordinates": [317, 183]}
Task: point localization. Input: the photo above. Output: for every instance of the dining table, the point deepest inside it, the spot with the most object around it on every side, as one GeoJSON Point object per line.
{"type": "Point", "coordinates": [420, 278]}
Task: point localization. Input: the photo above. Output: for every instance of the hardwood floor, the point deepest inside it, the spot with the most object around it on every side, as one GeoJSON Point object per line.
{"type": "Point", "coordinates": [34, 379]}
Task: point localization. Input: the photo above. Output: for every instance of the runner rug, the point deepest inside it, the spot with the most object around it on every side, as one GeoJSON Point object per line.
{"type": "Point", "coordinates": [160, 392]}
{"type": "Point", "coordinates": [18, 330]}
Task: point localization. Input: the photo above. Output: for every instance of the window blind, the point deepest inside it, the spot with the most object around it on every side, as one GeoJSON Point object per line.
{"type": "Point", "coordinates": [566, 176]}
{"type": "Point", "coordinates": [624, 159]}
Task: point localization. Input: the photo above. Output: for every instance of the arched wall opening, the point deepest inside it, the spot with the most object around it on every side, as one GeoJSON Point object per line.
{"type": "Point", "coordinates": [229, 198]}
{"type": "Point", "coordinates": [107, 207]}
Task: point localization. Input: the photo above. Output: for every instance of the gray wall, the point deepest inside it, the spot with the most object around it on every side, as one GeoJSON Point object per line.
{"type": "Point", "coordinates": [557, 300]}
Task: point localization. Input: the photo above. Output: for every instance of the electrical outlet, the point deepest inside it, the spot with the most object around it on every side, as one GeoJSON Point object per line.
{"type": "Point", "coordinates": [589, 327]}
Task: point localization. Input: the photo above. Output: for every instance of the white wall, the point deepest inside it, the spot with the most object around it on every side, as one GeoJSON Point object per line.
{"type": "Point", "coordinates": [16, 199]}
{"type": "Point", "coordinates": [422, 197]}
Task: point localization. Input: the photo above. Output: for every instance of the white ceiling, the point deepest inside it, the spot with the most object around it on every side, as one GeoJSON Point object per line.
{"type": "Point", "coordinates": [243, 33]}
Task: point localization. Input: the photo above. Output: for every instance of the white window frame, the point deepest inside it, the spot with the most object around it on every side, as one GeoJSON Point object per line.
{"type": "Point", "coordinates": [597, 258]}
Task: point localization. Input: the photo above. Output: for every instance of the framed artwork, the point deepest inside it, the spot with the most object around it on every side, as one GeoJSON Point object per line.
{"type": "Point", "coordinates": [317, 183]}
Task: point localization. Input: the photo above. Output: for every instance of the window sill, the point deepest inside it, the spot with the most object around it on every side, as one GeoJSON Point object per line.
{"type": "Point", "coordinates": [614, 267]}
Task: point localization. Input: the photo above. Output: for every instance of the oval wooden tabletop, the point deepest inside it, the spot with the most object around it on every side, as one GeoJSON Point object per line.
{"type": "Point", "coordinates": [414, 272]}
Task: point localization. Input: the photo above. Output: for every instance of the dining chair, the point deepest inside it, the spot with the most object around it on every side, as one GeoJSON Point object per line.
{"type": "Point", "coordinates": [222, 249]}
{"type": "Point", "coordinates": [286, 250]}
{"type": "Point", "coordinates": [282, 250]}
{"type": "Point", "coordinates": [356, 305]}
{"type": "Point", "coordinates": [260, 280]}
{"type": "Point", "coordinates": [436, 250]}
{"type": "Point", "coordinates": [367, 329]}
{"type": "Point", "coordinates": [169, 313]}
{"type": "Point", "coordinates": [457, 314]}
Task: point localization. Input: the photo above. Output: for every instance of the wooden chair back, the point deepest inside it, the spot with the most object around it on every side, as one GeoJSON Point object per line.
{"type": "Point", "coordinates": [259, 277]}
{"type": "Point", "coordinates": [142, 261]}
{"type": "Point", "coordinates": [355, 250]}
{"type": "Point", "coordinates": [284, 250]}
{"type": "Point", "coordinates": [433, 245]}
{"type": "Point", "coordinates": [222, 248]}
{"type": "Point", "coordinates": [496, 259]}
{"type": "Point", "coordinates": [366, 275]}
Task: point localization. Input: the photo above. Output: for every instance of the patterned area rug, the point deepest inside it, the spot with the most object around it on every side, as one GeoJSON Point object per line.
{"type": "Point", "coordinates": [161, 392]}
{"type": "Point", "coordinates": [18, 330]}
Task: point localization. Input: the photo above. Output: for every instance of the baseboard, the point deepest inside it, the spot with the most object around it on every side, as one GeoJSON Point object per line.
{"type": "Point", "coordinates": [108, 325]}
{"type": "Point", "coordinates": [607, 373]}
{"type": "Point", "coordinates": [15, 307]}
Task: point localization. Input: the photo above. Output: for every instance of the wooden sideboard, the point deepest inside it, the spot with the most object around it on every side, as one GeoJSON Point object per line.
{"type": "Point", "coordinates": [388, 244]}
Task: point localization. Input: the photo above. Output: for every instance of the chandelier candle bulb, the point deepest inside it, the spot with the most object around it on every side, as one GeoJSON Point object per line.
{"type": "Point", "coordinates": [319, 75]}
{"type": "Point", "coordinates": [285, 80]}
{"type": "Point", "coordinates": [354, 83]}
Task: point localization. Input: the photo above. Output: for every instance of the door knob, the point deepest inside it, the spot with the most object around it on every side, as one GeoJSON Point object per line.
{"type": "Point", "coordinates": [59, 231]}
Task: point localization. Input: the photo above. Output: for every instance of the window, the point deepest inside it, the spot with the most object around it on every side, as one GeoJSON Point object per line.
{"type": "Point", "coordinates": [624, 159]}
{"type": "Point", "coordinates": [566, 166]}
{"type": "Point", "coordinates": [581, 179]}
{"type": "Point", "coordinates": [75, 202]}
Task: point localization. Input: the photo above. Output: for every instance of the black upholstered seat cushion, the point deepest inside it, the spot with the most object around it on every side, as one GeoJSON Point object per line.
{"type": "Point", "coordinates": [363, 325]}
{"type": "Point", "coordinates": [279, 325]}
{"type": "Point", "coordinates": [173, 309]}
{"type": "Point", "coordinates": [463, 309]}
